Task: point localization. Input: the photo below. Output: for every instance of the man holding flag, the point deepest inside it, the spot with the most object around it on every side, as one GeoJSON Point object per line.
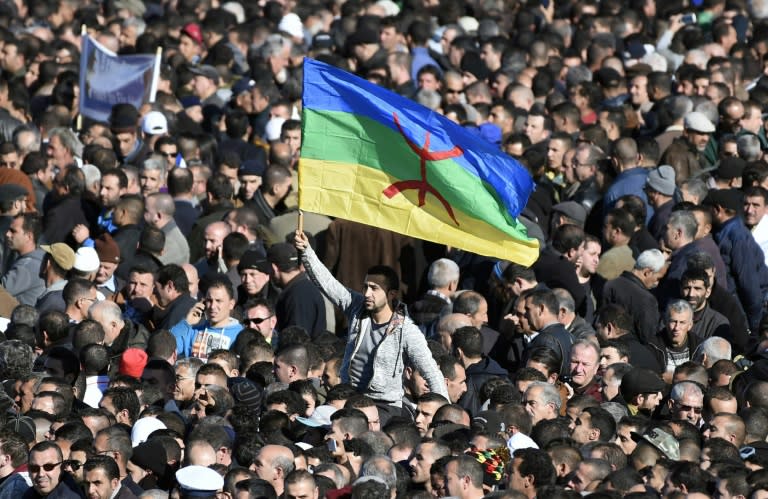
{"type": "Point", "coordinates": [382, 338]}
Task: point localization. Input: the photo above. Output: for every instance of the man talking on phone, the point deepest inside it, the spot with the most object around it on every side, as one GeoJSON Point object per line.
{"type": "Point", "coordinates": [209, 324]}
{"type": "Point", "coordinates": [382, 338]}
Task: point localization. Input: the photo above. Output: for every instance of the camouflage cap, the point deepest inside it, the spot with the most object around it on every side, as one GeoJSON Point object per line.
{"type": "Point", "coordinates": [663, 441]}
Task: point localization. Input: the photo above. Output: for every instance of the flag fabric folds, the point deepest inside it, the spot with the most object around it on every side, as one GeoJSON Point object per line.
{"type": "Point", "coordinates": [107, 79]}
{"type": "Point", "coordinates": [374, 157]}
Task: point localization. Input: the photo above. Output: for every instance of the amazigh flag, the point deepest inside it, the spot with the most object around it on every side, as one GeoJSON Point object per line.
{"type": "Point", "coordinates": [374, 157]}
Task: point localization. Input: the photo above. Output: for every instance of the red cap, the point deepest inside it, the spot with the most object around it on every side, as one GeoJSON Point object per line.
{"type": "Point", "coordinates": [193, 31]}
{"type": "Point", "coordinates": [132, 362]}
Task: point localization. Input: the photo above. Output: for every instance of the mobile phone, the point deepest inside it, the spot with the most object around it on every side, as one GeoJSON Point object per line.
{"type": "Point", "coordinates": [688, 19]}
{"type": "Point", "coordinates": [332, 445]}
{"type": "Point", "coordinates": [545, 4]}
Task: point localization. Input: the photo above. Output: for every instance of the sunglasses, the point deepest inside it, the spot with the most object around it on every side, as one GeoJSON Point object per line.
{"type": "Point", "coordinates": [72, 464]}
{"type": "Point", "coordinates": [256, 321]}
{"type": "Point", "coordinates": [688, 408]}
{"type": "Point", "coordinates": [35, 468]}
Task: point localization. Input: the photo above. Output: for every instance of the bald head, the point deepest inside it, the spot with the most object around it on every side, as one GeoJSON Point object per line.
{"type": "Point", "coordinates": [200, 453]}
{"type": "Point", "coordinates": [193, 278]}
{"type": "Point", "coordinates": [273, 463]}
{"type": "Point", "coordinates": [214, 238]}
{"type": "Point", "coordinates": [450, 323]}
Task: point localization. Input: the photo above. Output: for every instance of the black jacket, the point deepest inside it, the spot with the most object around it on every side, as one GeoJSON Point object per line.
{"type": "Point", "coordinates": [127, 239]}
{"type": "Point", "coordinates": [556, 337]}
{"type": "Point", "coordinates": [631, 294]}
{"type": "Point", "coordinates": [477, 375]}
{"type": "Point", "coordinates": [174, 313]}
{"type": "Point", "coordinates": [61, 217]}
{"type": "Point", "coordinates": [556, 272]}
{"type": "Point", "coordinates": [66, 489]}
{"type": "Point", "coordinates": [641, 355]}
{"type": "Point", "coordinates": [727, 304]}
{"type": "Point", "coordinates": [301, 304]}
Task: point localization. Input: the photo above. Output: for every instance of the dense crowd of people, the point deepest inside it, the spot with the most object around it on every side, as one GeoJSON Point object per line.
{"type": "Point", "coordinates": [170, 331]}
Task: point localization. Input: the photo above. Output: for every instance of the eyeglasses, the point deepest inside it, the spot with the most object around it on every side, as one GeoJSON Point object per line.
{"type": "Point", "coordinates": [73, 464]}
{"type": "Point", "coordinates": [257, 320]}
{"type": "Point", "coordinates": [453, 90]}
{"type": "Point", "coordinates": [35, 468]}
{"type": "Point", "coordinates": [169, 154]}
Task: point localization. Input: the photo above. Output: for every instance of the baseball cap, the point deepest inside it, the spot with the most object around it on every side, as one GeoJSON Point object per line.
{"type": "Point", "coordinates": [283, 255]}
{"type": "Point", "coordinates": [154, 123]}
{"type": "Point", "coordinates": [62, 254]}
{"type": "Point", "coordinates": [321, 417]}
{"type": "Point", "coordinates": [193, 31]}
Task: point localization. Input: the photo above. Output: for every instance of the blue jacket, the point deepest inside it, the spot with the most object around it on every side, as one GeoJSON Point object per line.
{"type": "Point", "coordinates": [745, 266]}
{"type": "Point", "coordinates": [13, 487]}
{"type": "Point", "coordinates": [200, 339]}
{"type": "Point", "coordinates": [628, 182]}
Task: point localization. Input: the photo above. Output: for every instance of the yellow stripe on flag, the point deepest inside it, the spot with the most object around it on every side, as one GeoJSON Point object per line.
{"type": "Point", "coordinates": [355, 192]}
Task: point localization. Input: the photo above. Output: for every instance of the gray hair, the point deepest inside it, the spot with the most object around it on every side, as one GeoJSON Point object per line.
{"type": "Point", "coordinates": [154, 162]}
{"type": "Point", "coordinates": [678, 106]}
{"type": "Point", "coordinates": [684, 220]}
{"type": "Point", "coordinates": [338, 476]}
{"type": "Point", "coordinates": [589, 343]}
{"type": "Point", "coordinates": [595, 153]}
{"type": "Point", "coordinates": [279, 461]}
{"type": "Point", "coordinates": [137, 23]}
{"type": "Point", "coordinates": [428, 98]}
{"type": "Point", "coordinates": [92, 174]}
{"type": "Point", "coordinates": [442, 272]}
{"type": "Point", "coordinates": [191, 363]}
{"type": "Point", "coordinates": [154, 494]}
{"type": "Point", "coordinates": [549, 394]}
{"type": "Point", "coordinates": [68, 139]}
{"type": "Point", "coordinates": [16, 359]}
{"type": "Point", "coordinates": [381, 467]}
{"type": "Point", "coordinates": [163, 203]}
{"type": "Point", "coordinates": [564, 299]}
{"type": "Point", "coordinates": [715, 348]}
{"type": "Point", "coordinates": [110, 311]}
{"type": "Point", "coordinates": [273, 45]}
{"type": "Point", "coordinates": [696, 187]}
{"type": "Point", "coordinates": [578, 74]}
{"type": "Point", "coordinates": [651, 259]}
{"type": "Point", "coordinates": [678, 307]}
{"type": "Point", "coordinates": [616, 410]}
{"type": "Point", "coordinates": [749, 147]}
{"type": "Point", "coordinates": [708, 109]}
{"type": "Point", "coordinates": [681, 388]}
